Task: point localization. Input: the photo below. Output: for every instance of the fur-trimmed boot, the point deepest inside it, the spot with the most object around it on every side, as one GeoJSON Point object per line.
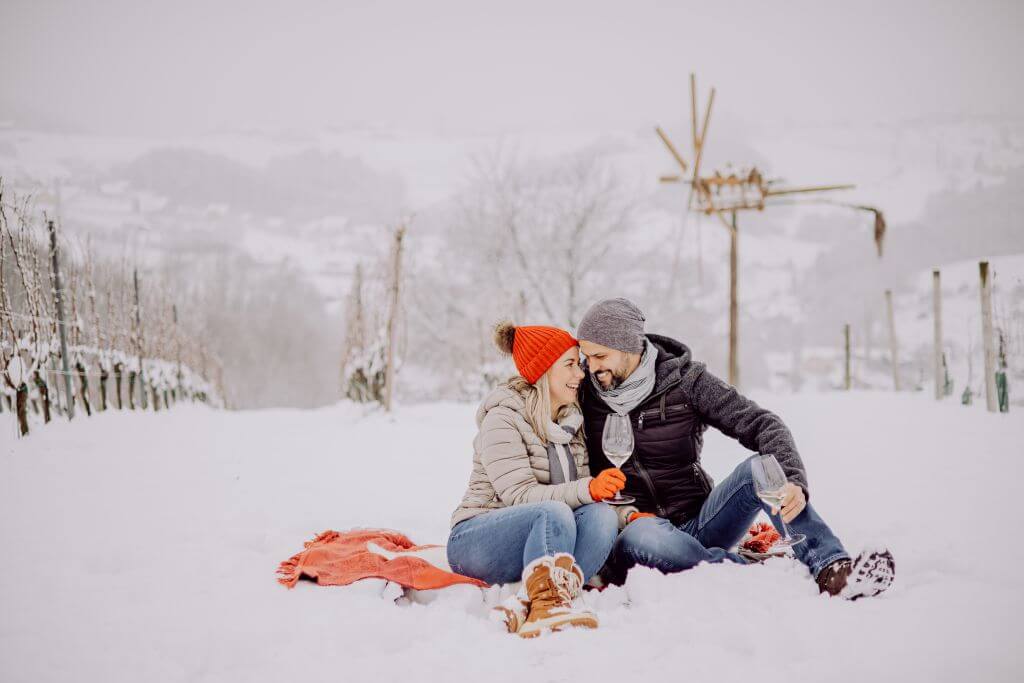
{"type": "Point", "coordinates": [552, 582]}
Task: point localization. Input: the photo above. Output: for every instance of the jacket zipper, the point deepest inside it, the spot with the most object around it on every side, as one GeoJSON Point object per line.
{"type": "Point", "coordinates": [671, 410]}
{"type": "Point", "coordinates": [650, 487]}
{"type": "Point", "coordinates": [700, 477]}
{"type": "Point", "coordinates": [646, 477]}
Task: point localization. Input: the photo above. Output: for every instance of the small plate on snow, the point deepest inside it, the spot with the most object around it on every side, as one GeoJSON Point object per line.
{"type": "Point", "coordinates": [752, 556]}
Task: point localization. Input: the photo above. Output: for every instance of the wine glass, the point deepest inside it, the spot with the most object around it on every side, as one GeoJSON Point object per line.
{"type": "Point", "coordinates": [617, 443]}
{"type": "Point", "coordinates": [770, 483]}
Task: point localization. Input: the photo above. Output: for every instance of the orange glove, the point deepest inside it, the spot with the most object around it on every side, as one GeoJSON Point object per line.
{"type": "Point", "coordinates": [607, 484]}
{"type": "Point", "coordinates": [633, 516]}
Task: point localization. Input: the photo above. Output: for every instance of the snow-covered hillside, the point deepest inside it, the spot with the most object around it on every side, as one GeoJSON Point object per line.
{"type": "Point", "coordinates": [323, 203]}
{"type": "Point", "coordinates": [257, 188]}
{"type": "Point", "coordinates": [143, 547]}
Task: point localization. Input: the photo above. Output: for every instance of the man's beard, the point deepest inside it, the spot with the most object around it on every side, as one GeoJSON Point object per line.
{"type": "Point", "coordinates": [617, 378]}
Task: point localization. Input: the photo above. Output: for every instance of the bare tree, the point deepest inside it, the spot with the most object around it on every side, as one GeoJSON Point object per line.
{"type": "Point", "coordinates": [549, 227]}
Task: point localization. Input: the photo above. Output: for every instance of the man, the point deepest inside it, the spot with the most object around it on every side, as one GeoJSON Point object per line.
{"type": "Point", "coordinates": [680, 518]}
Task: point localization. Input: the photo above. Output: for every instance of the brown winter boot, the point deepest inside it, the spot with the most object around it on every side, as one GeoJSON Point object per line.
{"type": "Point", "coordinates": [870, 574]}
{"type": "Point", "coordinates": [551, 584]}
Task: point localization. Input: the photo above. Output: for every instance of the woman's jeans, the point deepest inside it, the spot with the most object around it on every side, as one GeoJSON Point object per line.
{"type": "Point", "coordinates": [495, 546]}
{"type": "Point", "coordinates": [722, 523]}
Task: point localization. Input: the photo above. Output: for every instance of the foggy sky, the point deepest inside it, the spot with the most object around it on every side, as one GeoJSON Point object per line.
{"type": "Point", "coordinates": [132, 67]}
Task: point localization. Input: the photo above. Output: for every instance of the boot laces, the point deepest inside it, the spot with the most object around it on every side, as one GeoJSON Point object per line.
{"type": "Point", "coordinates": [566, 583]}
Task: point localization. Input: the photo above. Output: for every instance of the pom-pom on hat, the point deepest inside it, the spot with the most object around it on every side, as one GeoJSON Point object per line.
{"type": "Point", "coordinates": [534, 348]}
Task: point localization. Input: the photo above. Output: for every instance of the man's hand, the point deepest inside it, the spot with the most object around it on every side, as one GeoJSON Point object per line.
{"type": "Point", "coordinates": [633, 516]}
{"type": "Point", "coordinates": [793, 503]}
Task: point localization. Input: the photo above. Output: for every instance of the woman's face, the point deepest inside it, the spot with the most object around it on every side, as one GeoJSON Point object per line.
{"type": "Point", "coordinates": [564, 378]}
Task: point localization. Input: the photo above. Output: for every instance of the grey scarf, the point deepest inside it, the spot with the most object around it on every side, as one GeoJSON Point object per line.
{"type": "Point", "coordinates": [637, 386]}
{"type": "Point", "coordinates": [561, 464]}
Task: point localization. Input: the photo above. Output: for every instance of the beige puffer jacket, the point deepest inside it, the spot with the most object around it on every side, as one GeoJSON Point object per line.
{"type": "Point", "coordinates": [510, 462]}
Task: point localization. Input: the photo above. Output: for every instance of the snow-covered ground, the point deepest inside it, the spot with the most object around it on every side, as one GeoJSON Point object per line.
{"type": "Point", "coordinates": [142, 547]}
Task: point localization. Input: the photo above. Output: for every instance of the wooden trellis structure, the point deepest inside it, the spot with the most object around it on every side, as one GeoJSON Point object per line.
{"type": "Point", "coordinates": [725, 193]}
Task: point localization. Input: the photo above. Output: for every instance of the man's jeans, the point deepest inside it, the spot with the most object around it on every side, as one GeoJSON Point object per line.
{"type": "Point", "coordinates": [722, 523]}
{"type": "Point", "coordinates": [495, 546]}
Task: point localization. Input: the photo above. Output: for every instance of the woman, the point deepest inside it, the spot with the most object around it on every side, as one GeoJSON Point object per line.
{"type": "Point", "coordinates": [530, 512]}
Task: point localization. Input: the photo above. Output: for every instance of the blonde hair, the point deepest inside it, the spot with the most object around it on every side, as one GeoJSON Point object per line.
{"type": "Point", "coordinates": [538, 405]}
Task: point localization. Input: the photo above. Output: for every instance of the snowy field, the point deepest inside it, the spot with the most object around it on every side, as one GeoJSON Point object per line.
{"type": "Point", "coordinates": [143, 548]}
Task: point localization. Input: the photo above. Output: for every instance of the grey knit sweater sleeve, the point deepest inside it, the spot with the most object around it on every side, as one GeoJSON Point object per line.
{"type": "Point", "coordinates": [736, 416]}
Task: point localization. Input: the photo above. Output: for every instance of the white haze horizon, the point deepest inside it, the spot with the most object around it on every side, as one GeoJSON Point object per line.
{"type": "Point", "coordinates": [461, 68]}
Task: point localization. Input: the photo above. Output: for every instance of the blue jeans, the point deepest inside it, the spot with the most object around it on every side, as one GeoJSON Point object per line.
{"type": "Point", "coordinates": [495, 546]}
{"type": "Point", "coordinates": [723, 521]}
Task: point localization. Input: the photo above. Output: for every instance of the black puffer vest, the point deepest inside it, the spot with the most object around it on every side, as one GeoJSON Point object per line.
{"type": "Point", "coordinates": [664, 474]}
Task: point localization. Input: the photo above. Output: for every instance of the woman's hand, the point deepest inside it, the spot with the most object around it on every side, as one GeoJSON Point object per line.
{"type": "Point", "coordinates": [607, 484]}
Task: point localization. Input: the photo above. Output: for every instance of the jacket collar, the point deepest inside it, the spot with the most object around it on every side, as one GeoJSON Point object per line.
{"type": "Point", "coordinates": [673, 359]}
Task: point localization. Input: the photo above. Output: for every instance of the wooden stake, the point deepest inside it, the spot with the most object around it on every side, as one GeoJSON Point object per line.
{"type": "Point", "coordinates": [940, 375]}
{"type": "Point", "coordinates": [693, 111]}
{"type": "Point", "coordinates": [847, 382]}
{"type": "Point", "coordinates": [699, 155]}
{"type": "Point", "coordinates": [734, 308]}
{"type": "Point", "coordinates": [177, 351]}
{"type": "Point", "coordinates": [867, 336]}
{"type": "Point", "coordinates": [893, 346]}
{"type": "Point", "coordinates": [138, 324]}
{"type": "Point", "coordinates": [987, 337]}
{"type": "Point", "coordinates": [700, 256]}
{"type": "Point", "coordinates": [58, 295]}
{"type": "Point", "coordinates": [673, 151]}
{"type": "Point", "coordinates": [396, 277]}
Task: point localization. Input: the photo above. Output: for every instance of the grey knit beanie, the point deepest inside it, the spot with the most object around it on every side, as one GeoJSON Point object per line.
{"type": "Point", "coordinates": [615, 323]}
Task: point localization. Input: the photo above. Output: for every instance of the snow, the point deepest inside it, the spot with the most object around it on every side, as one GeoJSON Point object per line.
{"type": "Point", "coordinates": [16, 370]}
{"type": "Point", "coordinates": [143, 547]}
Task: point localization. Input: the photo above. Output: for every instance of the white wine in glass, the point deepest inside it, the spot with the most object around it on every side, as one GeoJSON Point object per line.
{"type": "Point", "coordinates": [617, 444]}
{"type": "Point", "coordinates": [770, 483]}
{"type": "Point", "coordinates": [772, 498]}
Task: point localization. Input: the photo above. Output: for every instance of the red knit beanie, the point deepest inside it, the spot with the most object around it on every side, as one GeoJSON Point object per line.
{"type": "Point", "coordinates": [534, 348]}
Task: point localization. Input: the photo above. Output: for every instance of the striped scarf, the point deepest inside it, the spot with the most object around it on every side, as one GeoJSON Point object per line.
{"type": "Point", "coordinates": [561, 464]}
{"type": "Point", "coordinates": [637, 386]}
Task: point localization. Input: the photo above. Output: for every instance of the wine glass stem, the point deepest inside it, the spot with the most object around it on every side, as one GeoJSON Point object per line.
{"type": "Point", "coordinates": [785, 528]}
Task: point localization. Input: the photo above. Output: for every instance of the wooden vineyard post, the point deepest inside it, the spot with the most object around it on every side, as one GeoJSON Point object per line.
{"type": "Point", "coordinates": [987, 338]}
{"type": "Point", "coordinates": [894, 354]}
{"type": "Point", "coordinates": [118, 372]}
{"type": "Point", "coordinates": [178, 390]}
{"type": "Point", "coordinates": [940, 375]}
{"type": "Point", "coordinates": [58, 296]}
{"type": "Point", "coordinates": [734, 308]}
{"type": "Point", "coordinates": [138, 324]}
{"type": "Point", "coordinates": [847, 382]}
{"type": "Point", "coordinates": [392, 327]}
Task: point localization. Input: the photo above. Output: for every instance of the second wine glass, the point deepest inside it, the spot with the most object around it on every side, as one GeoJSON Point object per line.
{"type": "Point", "coordinates": [770, 483]}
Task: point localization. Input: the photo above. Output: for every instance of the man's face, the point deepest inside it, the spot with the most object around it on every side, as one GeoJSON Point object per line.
{"type": "Point", "coordinates": [610, 367]}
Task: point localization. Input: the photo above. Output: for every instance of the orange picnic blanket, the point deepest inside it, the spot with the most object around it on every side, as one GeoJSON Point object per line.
{"type": "Point", "coordinates": [339, 558]}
